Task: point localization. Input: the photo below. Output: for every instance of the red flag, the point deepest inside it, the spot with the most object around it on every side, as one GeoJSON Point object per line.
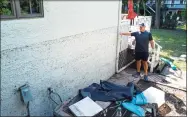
{"type": "Point", "coordinates": [131, 13]}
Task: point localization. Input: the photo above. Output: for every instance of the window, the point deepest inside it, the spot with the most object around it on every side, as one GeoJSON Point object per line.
{"type": "Point", "coordinates": [21, 8]}
{"type": "Point", "coordinates": [172, 4]}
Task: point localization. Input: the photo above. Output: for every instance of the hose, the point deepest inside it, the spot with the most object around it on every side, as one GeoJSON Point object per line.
{"type": "Point", "coordinates": [28, 110]}
{"type": "Point", "coordinates": [50, 96]}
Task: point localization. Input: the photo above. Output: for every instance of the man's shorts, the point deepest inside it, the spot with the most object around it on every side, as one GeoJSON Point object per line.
{"type": "Point", "coordinates": [141, 56]}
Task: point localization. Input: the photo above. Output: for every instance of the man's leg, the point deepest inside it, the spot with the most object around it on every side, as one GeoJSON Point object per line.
{"type": "Point", "coordinates": [138, 64]}
{"type": "Point", "coordinates": [145, 63]}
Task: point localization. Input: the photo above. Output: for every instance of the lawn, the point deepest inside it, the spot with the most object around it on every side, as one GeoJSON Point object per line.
{"type": "Point", "coordinates": [182, 27]}
{"type": "Point", "coordinates": [174, 43]}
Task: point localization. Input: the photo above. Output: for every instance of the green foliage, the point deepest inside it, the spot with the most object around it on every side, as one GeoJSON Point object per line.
{"type": "Point", "coordinates": [4, 3]}
{"type": "Point", "coordinates": [184, 14]}
{"type": "Point", "coordinates": [125, 2]}
{"type": "Point", "coordinates": [170, 21]}
{"type": "Point", "coordinates": [174, 21]}
{"type": "Point", "coordinates": [5, 11]}
{"type": "Point", "coordinates": [5, 7]}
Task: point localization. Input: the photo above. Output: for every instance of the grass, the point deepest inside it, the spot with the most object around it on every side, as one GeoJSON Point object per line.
{"type": "Point", "coordinates": [174, 43]}
{"type": "Point", "coordinates": [183, 27]}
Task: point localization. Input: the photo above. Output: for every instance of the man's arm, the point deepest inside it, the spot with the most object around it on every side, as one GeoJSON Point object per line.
{"type": "Point", "coordinates": [152, 44]}
{"type": "Point", "coordinates": [127, 34]}
{"type": "Point", "coordinates": [151, 41]}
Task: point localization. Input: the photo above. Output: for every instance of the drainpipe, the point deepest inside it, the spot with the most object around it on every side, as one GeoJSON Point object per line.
{"type": "Point", "coordinates": [118, 35]}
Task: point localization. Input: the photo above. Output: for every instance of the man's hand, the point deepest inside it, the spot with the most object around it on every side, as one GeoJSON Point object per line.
{"type": "Point", "coordinates": [121, 34]}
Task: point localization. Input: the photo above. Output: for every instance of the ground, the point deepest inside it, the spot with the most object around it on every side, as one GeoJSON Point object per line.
{"type": "Point", "coordinates": [173, 42]}
{"type": "Point", "coordinates": [174, 98]}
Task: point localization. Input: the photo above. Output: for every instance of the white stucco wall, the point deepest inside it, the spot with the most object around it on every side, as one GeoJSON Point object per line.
{"type": "Point", "coordinates": [73, 46]}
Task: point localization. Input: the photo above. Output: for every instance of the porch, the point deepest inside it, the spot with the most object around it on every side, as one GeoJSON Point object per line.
{"type": "Point", "coordinates": [126, 44]}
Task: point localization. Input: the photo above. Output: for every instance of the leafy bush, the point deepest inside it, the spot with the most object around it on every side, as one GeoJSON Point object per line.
{"type": "Point", "coordinates": [170, 21]}
{"type": "Point", "coordinates": [5, 7]}
{"type": "Point", "coordinates": [184, 14]}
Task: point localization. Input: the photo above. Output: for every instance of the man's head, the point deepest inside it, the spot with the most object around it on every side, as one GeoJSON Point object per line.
{"type": "Point", "coordinates": [142, 27]}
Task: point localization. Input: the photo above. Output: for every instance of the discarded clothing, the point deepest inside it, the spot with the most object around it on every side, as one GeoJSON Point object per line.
{"type": "Point", "coordinates": [139, 99]}
{"type": "Point", "coordinates": [106, 91]}
{"type": "Point", "coordinates": [134, 108]}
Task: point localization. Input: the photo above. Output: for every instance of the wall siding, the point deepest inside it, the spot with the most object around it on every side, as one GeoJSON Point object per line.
{"type": "Point", "coordinates": [58, 51]}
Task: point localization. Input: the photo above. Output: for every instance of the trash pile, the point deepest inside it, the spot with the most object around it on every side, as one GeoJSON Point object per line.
{"type": "Point", "coordinates": [107, 99]}
{"type": "Point", "coordinates": [169, 75]}
{"type": "Point", "coordinates": [164, 63]}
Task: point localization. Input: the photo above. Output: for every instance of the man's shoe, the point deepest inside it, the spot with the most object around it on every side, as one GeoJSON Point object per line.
{"type": "Point", "coordinates": [136, 75]}
{"type": "Point", "coordinates": [146, 77]}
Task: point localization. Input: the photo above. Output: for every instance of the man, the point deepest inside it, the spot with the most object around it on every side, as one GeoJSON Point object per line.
{"type": "Point", "coordinates": [142, 38]}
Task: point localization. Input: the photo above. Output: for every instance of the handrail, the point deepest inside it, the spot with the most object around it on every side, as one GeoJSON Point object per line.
{"type": "Point", "coordinates": [155, 57]}
{"type": "Point", "coordinates": [151, 8]}
{"type": "Point", "coordinates": [158, 45]}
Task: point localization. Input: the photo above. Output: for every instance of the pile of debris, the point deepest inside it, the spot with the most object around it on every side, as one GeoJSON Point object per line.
{"type": "Point", "coordinates": [140, 98]}
{"type": "Point", "coordinates": [110, 100]}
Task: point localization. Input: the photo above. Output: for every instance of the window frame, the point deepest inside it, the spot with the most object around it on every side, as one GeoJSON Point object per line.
{"type": "Point", "coordinates": [172, 3]}
{"type": "Point", "coordinates": [16, 9]}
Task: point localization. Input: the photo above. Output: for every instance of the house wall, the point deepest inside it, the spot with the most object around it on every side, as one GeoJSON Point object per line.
{"type": "Point", "coordinates": [73, 46]}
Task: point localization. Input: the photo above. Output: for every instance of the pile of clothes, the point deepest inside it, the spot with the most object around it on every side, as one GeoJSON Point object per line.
{"type": "Point", "coordinates": [107, 91]}
{"type": "Point", "coordinates": [130, 97]}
